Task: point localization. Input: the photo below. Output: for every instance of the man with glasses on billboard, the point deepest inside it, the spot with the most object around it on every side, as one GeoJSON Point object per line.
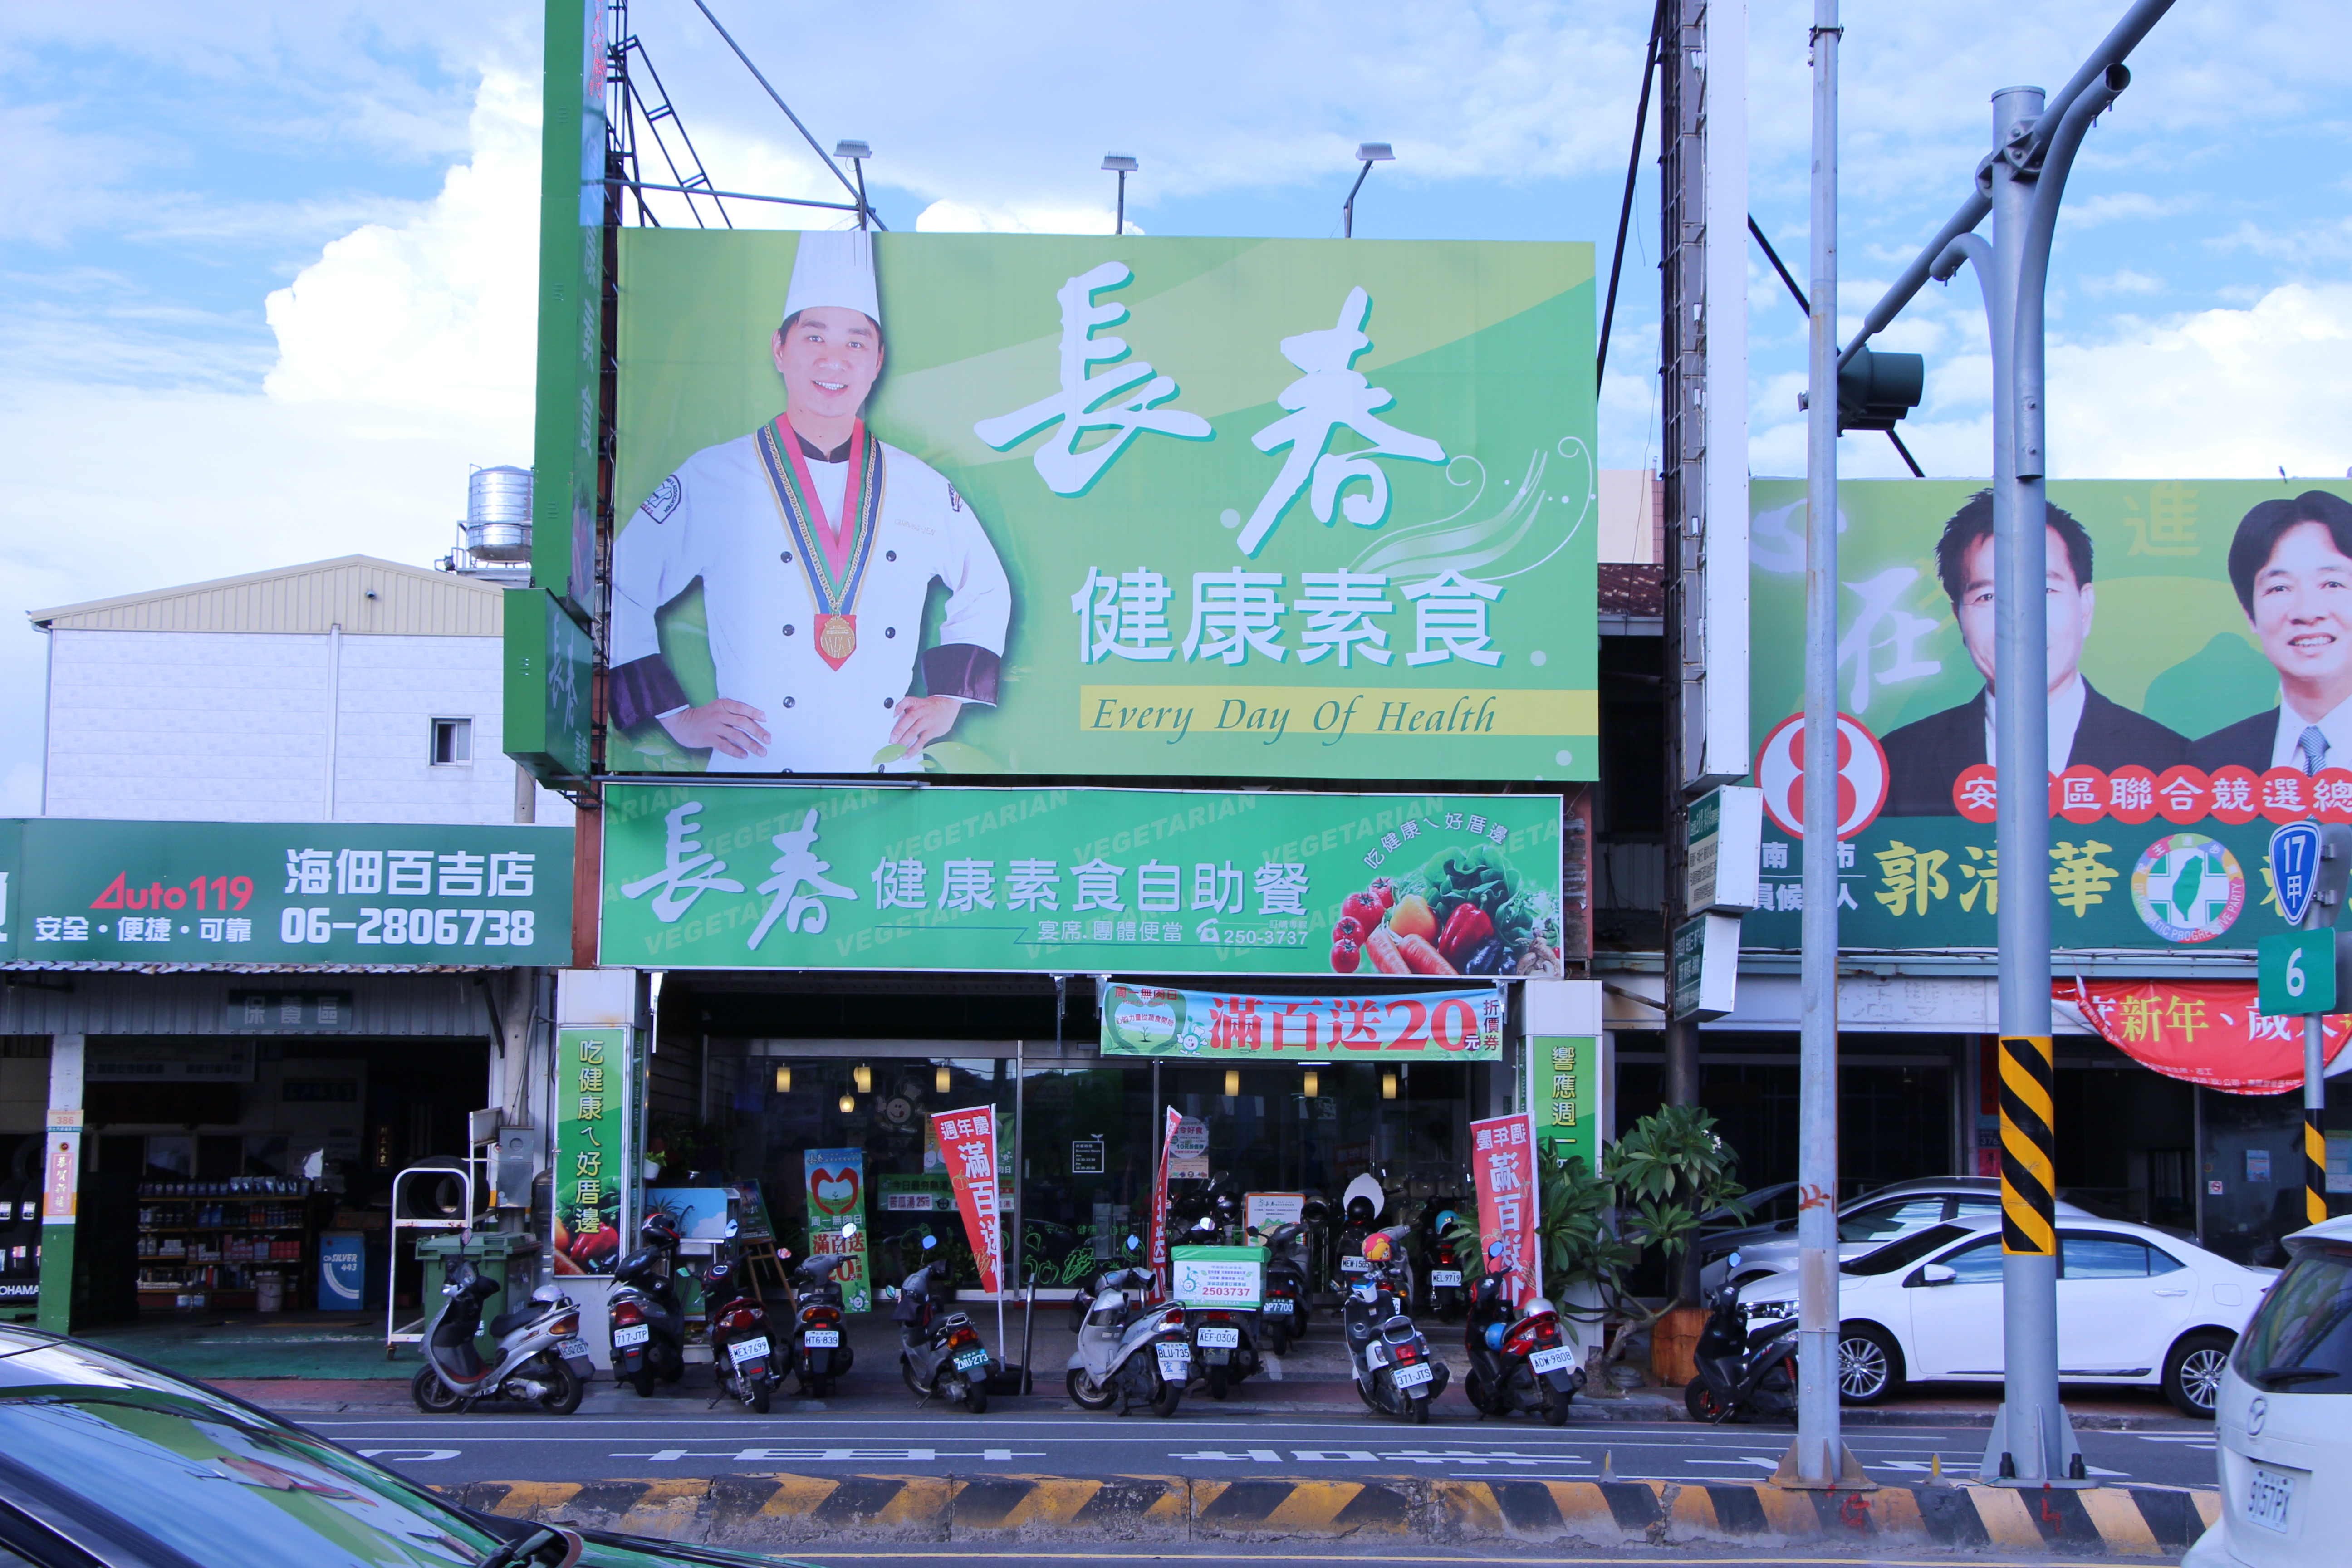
{"type": "Point", "coordinates": [1925, 759]}
{"type": "Point", "coordinates": [815, 546]}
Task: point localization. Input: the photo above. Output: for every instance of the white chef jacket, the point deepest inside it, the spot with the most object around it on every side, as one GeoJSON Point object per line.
{"type": "Point", "coordinates": [716, 518]}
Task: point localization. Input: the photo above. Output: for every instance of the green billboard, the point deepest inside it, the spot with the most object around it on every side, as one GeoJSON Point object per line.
{"type": "Point", "coordinates": [708, 876]}
{"type": "Point", "coordinates": [2199, 686]}
{"type": "Point", "coordinates": [1102, 506]}
{"type": "Point", "coordinates": [81, 892]}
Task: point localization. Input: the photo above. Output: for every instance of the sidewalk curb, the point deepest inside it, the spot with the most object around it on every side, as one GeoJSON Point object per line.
{"type": "Point", "coordinates": [2128, 1522]}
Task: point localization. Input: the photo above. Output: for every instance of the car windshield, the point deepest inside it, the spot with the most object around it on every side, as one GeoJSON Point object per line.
{"type": "Point", "coordinates": [1903, 1251]}
{"type": "Point", "coordinates": [2301, 1339]}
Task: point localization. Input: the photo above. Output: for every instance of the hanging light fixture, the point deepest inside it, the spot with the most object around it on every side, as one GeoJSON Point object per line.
{"type": "Point", "coordinates": [865, 1076]}
{"type": "Point", "coordinates": [1388, 1083]}
{"type": "Point", "coordinates": [848, 1103]}
{"type": "Point", "coordinates": [785, 1078]}
{"type": "Point", "coordinates": [1233, 1082]}
{"type": "Point", "coordinates": [1313, 1083]}
{"type": "Point", "coordinates": [939, 1083]}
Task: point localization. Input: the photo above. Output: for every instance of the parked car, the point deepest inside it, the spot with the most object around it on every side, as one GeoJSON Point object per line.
{"type": "Point", "coordinates": [2282, 1439]}
{"type": "Point", "coordinates": [1863, 1225]}
{"type": "Point", "coordinates": [104, 1460]}
{"type": "Point", "coordinates": [2135, 1305]}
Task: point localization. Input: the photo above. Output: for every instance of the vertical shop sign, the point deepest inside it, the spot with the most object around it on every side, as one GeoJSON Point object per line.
{"type": "Point", "coordinates": [592, 1144]}
{"type": "Point", "coordinates": [1564, 1097]}
{"type": "Point", "coordinates": [834, 1180]}
{"type": "Point", "coordinates": [968, 1139]}
{"type": "Point", "coordinates": [1503, 1161]}
{"type": "Point", "coordinates": [1175, 1119]}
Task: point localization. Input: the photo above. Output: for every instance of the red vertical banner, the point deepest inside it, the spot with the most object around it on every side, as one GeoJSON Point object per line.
{"type": "Point", "coordinates": [1159, 1203]}
{"type": "Point", "coordinates": [1503, 1163]}
{"type": "Point", "coordinates": [968, 1143]}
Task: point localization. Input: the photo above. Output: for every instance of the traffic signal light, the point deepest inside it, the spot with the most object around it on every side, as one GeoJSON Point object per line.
{"type": "Point", "coordinates": [1874, 390]}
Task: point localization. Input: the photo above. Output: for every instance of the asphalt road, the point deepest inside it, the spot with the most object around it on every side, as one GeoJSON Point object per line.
{"type": "Point", "coordinates": [618, 1439]}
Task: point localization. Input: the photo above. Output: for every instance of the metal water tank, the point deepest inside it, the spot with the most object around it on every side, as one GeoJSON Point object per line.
{"type": "Point", "coordinates": [497, 513]}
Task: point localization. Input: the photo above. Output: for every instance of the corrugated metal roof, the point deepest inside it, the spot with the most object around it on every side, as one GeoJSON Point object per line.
{"type": "Point", "coordinates": [359, 593]}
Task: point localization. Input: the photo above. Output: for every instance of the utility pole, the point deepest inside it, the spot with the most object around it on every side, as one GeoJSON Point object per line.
{"type": "Point", "coordinates": [2019, 184]}
{"type": "Point", "coordinates": [1819, 1458]}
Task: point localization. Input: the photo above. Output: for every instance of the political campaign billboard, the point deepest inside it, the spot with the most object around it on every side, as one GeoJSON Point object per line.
{"type": "Point", "coordinates": [2200, 690]}
{"type": "Point", "coordinates": [1102, 506]}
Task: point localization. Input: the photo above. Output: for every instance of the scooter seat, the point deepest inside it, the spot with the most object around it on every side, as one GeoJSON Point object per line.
{"type": "Point", "coordinates": [506, 1323]}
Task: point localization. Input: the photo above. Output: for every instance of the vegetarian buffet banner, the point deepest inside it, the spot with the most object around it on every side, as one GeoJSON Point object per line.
{"type": "Point", "coordinates": [1426, 1026]}
{"type": "Point", "coordinates": [1254, 508]}
{"type": "Point", "coordinates": [2182, 689]}
{"type": "Point", "coordinates": [832, 1183]}
{"type": "Point", "coordinates": [1246, 882]}
{"type": "Point", "coordinates": [1503, 1163]}
{"type": "Point", "coordinates": [2205, 1032]}
{"type": "Point", "coordinates": [967, 1141]}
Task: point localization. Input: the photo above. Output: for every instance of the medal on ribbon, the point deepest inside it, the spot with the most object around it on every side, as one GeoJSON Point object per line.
{"type": "Point", "coordinates": [834, 567]}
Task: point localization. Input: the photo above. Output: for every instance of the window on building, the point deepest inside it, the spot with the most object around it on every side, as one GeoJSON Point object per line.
{"type": "Point", "coordinates": [453, 742]}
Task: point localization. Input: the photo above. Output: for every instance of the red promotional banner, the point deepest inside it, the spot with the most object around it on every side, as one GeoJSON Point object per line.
{"type": "Point", "coordinates": [1503, 1161]}
{"type": "Point", "coordinates": [968, 1144]}
{"type": "Point", "coordinates": [1159, 1203]}
{"type": "Point", "coordinates": [2205, 1032]}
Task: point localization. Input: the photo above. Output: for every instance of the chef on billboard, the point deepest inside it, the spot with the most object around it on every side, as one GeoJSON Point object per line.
{"type": "Point", "coordinates": [1925, 759]}
{"type": "Point", "coordinates": [2291, 563]}
{"type": "Point", "coordinates": [817, 546]}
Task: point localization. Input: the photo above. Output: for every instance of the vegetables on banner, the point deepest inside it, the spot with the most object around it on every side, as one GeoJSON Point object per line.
{"type": "Point", "coordinates": [1428, 1026]}
{"type": "Point", "coordinates": [1503, 1163]}
{"type": "Point", "coordinates": [967, 1139]}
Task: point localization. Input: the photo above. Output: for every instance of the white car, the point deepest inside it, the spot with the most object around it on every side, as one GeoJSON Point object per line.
{"type": "Point", "coordinates": [2135, 1305]}
{"type": "Point", "coordinates": [1865, 1226]}
{"type": "Point", "coordinates": [2281, 1433]}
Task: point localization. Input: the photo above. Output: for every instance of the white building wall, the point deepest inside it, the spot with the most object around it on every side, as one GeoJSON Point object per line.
{"type": "Point", "coordinates": [233, 727]}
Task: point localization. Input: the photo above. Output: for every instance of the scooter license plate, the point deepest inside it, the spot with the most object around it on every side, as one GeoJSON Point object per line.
{"type": "Point", "coordinates": [748, 1349]}
{"type": "Point", "coordinates": [571, 1350]}
{"type": "Point", "coordinates": [1175, 1361]}
{"type": "Point", "coordinates": [636, 1335]}
{"type": "Point", "coordinates": [969, 1360]}
{"type": "Point", "coordinates": [1551, 1360]}
{"type": "Point", "coordinates": [1219, 1339]}
{"type": "Point", "coordinates": [1354, 1265]}
{"type": "Point", "coordinates": [1278, 1306]}
{"type": "Point", "coordinates": [821, 1338]}
{"type": "Point", "coordinates": [1445, 1277]}
{"type": "Point", "coordinates": [1412, 1376]}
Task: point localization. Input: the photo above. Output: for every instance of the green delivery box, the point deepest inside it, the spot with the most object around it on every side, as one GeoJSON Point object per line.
{"type": "Point", "coordinates": [1231, 1276]}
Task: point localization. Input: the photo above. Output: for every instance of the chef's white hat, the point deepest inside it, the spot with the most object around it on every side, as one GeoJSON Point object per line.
{"type": "Point", "coordinates": [834, 269]}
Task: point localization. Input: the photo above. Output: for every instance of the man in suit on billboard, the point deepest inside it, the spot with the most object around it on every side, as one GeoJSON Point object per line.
{"type": "Point", "coordinates": [1925, 759]}
{"type": "Point", "coordinates": [2291, 563]}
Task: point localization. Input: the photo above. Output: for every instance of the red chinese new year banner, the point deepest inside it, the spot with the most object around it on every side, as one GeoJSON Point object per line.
{"type": "Point", "coordinates": [1503, 1163]}
{"type": "Point", "coordinates": [2204, 1032]}
{"type": "Point", "coordinates": [968, 1144]}
{"type": "Point", "coordinates": [1159, 1203]}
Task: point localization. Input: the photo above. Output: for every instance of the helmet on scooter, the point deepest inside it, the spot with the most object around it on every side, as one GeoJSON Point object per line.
{"type": "Point", "coordinates": [659, 1230]}
{"type": "Point", "coordinates": [1360, 1211]}
{"type": "Point", "coordinates": [1495, 1333]}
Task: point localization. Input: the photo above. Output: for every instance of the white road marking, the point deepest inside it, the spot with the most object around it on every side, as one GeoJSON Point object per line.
{"type": "Point", "coordinates": [1256, 1455]}
{"type": "Point", "coordinates": [839, 1455]}
{"type": "Point", "coordinates": [407, 1456]}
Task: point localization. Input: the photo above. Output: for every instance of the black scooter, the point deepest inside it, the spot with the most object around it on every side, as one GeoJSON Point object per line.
{"type": "Point", "coordinates": [1740, 1373]}
{"type": "Point", "coordinates": [648, 1325]}
{"type": "Point", "coordinates": [1519, 1360]}
{"type": "Point", "coordinates": [743, 1360]}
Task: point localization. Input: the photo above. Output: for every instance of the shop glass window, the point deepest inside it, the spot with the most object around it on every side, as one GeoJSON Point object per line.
{"type": "Point", "coordinates": [2091, 1254]}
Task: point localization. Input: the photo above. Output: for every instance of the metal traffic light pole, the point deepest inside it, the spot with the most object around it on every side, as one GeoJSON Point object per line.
{"type": "Point", "coordinates": [2021, 186]}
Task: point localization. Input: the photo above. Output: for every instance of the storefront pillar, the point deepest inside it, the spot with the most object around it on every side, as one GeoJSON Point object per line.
{"type": "Point", "coordinates": [60, 1181]}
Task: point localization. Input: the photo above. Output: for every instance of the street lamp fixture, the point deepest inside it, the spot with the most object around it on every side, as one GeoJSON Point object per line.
{"type": "Point", "coordinates": [857, 152]}
{"type": "Point", "coordinates": [1122, 165]}
{"type": "Point", "coordinates": [1367, 153]}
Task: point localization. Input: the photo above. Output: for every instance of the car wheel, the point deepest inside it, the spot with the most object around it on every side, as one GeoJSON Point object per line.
{"type": "Point", "coordinates": [2192, 1373]}
{"type": "Point", "coordinates": [1870, 1367]}
{"type": "Point", "coordinates": [1085, 1392]}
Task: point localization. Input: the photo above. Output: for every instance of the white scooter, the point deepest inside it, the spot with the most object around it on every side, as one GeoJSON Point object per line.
{"type": "Point", "coordinates": [1127, 1355]}
{"type": "Point", "coordinates": [541, 1358]}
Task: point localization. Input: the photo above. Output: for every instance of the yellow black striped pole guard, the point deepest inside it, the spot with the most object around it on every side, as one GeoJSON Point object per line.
{"type": "Point", "coordinates": [2315, 1167]}
{"type": "Point", "coordinates": [2029, 1179]}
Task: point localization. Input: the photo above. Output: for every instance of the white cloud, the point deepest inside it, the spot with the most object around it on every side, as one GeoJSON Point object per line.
{"type": "Point", "coordinates": [2125, 280]}
{"type": "Point", "coordinates": [961, 217]}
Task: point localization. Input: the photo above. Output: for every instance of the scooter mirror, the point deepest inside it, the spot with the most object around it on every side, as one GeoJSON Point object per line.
{"type": "Point", "coordinates": [847, 1230]}
{"type": "Point", "coordinates": [1496, 1249]}
{"type": "Point", "coordinates": [1133, 1244]}
{"type": "Point", "coordinates": [1733, 1261]}
{"type": "Point", "coordinates": [1204, 1223]}
{"type": "Point", "coordinates": [731, 1228]}
{"type": "Point", "coordinates": [930, 1242]}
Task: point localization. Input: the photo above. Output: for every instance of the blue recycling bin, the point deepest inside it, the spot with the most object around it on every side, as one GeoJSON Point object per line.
{"type": "Point", "coordinates": [342, 1272]}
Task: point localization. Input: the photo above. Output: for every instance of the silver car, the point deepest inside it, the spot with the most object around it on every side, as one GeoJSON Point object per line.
{"type": "Point", "coordinates": [1867, 1223]}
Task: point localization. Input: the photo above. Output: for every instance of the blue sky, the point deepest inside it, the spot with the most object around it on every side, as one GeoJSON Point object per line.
{"type": "Point", "coordinates": [269, 264]}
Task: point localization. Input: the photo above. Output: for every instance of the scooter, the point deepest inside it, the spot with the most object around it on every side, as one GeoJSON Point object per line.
{"type": "Point", "coordinates": [818, 1353]}
{"type": "Point", "coordinates": [1517, 1359]}
{"type": "Point", "coordinates": [1741, 1373]}
{"type": "Point", "coordinates": [648, 1325]}
{"type": "Point", "coordinates": [941, 1358]}
{"type": "Point", "coordinates": [541, 1358]}
{"type": "Point", "coordinates": [1284, 1311]}
{"type": "Point", "coordinates": [742, 1360]}
{"type": "Point", "coordinates": [1442, 1280]}
{"type": "Point", "coordinates": [1355, 1229]}
{"type": "Point", "coordinates": [1395, 1373]}
{"type": "Point", "coordinates": [1128, 1356]}
{"type": "Point", "coordinates": [1223, 1349]}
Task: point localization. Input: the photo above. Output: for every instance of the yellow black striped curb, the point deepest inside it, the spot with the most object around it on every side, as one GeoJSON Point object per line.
{"type": "Point", "coordinates": [2104, 1522]}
